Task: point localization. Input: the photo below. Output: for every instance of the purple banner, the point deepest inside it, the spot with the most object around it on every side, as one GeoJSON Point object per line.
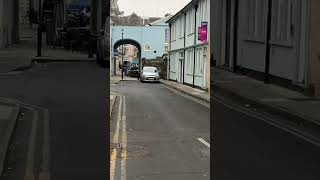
{"type": "Point", "coordinates": [203, 32]}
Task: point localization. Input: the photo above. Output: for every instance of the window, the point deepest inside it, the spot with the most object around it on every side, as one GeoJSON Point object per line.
{"type": "Point", "coordinates": [147, 47]}
{"type": "Point", "coordinates": [181, 27]}
{"type": "Point", "coordinates": [199, 62]}
{"type": "Point", "coordinates": [167, 36]}
{"type": "Point", "coordinates": [172, 62]}
{"type": "Point", "coordinates": [189, 61]}
{"type": "Point", "coordinates": [283, 18]}
{"type": "Point", "coordinates": [173, 31]}
{"type": "Point", "coordinates": [256, 18]}
{"type": "Point", "coordinates": [190, 22]}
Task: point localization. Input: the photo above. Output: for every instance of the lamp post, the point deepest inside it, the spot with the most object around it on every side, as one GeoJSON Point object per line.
{"type": "Point", "coordinates": [39, 45]}
{"type": "Point", "coordinates": [122, 54]}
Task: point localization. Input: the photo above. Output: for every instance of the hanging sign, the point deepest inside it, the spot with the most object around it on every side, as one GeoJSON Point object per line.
{"type": "Point", "coordinates": [203, 32]}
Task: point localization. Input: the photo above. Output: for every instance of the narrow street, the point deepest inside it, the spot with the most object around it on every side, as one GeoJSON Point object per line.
{"type": "Point", "coordinates": [246, 147]}
{"type": "Point", "coordinates": [75, 95]}
{"type": "Point", "coordinates": [158, 134]}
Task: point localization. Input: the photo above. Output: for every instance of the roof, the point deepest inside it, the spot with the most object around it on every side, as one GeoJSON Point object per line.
{"type": "Point", "coordinates": [162, 21]}
{"type": "Point", "coordinates": [183, 10]}
{"type": "Point", "coordinates": [133, 20]}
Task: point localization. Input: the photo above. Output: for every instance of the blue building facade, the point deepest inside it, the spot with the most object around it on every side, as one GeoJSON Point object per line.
{"type": "Point", "coordinates": [151, 39]}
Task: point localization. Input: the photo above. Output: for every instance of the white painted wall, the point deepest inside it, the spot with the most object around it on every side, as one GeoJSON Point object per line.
{"type": "Point", "coordinates": [177, 44]}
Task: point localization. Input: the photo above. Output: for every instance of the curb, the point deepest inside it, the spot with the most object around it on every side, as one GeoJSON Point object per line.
{"type": "Point", "coordinates": [186, 92]}
{"type": "Point", "coordinates": [307, 122]}
{"type": "Point", "coordinates": [12, 123]}
{"type": "Point", "coordinates": [23, 67]}
{"type": "Point", "coordinates": [48, 59]}
{"type": "Point", "coordinates": [112, 104]}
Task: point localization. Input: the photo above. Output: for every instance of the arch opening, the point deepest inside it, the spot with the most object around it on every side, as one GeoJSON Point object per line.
{"type": "Point", "coordinates": [136, 59]}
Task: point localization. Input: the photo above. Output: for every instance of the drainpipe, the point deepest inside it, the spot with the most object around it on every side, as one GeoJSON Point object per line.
{"type": "Point", "coordinates": [184, 46]}
{"type": "Point", "coordinates": [267, 60]}
{"type": "Point", "coordinates": [235, 35]}
{"type": "Point", "coordinates": [169, 52]}
{"type": "Point", "coordinates": [195, 41]}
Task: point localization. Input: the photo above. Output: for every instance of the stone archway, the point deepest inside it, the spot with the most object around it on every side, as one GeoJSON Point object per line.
{"type": "Point", "coordinates": [131, 42]}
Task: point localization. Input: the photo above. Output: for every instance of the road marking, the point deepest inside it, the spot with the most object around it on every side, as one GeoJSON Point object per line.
{"type": "Point", "coordinates": [124, 142]}
{"type": "Point", "coordinates": [29, 171]}
{"type": "Point", "coordinates": [113, 163]}
{"type": "Point", "coordinates": [116, 134]}
{"type": "Point", "coordinates": [45, 173]}
{"type": "Point", "coordinates": [204, 142]}
{"type": "Point", "coordinates": [113, 158]}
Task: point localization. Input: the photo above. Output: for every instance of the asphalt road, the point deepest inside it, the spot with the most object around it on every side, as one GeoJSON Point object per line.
{"type": "Point", "coordinates": [245, 147]}
{"type": "Point", "coordinates": [75, 95]}
{"type": "Point", "coordinates": [162, 131]}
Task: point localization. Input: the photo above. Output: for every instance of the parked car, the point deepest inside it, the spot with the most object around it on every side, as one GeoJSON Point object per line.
{"type": "Point", "coordinates": [150, 74]}
{"type": "Point", "coordinates": [134, 71]}
{"type": "Point", "coordinates": [103, 46]}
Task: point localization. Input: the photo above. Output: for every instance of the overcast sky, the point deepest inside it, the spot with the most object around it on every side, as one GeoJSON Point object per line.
{"type": "Point", "coordinates": [154, 8]}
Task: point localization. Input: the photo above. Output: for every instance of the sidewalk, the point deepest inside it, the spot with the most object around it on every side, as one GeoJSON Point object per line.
{"type": "Point", "coordinates": [20, 56]}
{"type": "Point", "coordinates": [272, 97]}
{"type": "Point", "coordinates": [8, 117]}
{"type": "Point", "coordinates": [197, 93]}
{"type": "Point", "coordinates": [115, 79]}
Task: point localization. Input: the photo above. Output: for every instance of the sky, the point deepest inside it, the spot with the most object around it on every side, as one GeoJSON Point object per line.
{"type": "Point", "coordinates": [151, 8]}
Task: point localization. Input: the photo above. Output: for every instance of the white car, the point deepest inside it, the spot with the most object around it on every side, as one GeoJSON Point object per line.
{"type": "Point", "coordinates": [150, 74]}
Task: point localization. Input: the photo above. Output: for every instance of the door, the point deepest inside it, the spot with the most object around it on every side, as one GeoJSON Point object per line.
{"type": "Point", "coordinates": [180, 67]}
{"type": "Point", "coordinates": [285, 25]}
{"type": "Point", "coordinates": [252, 26]}
{"type": "Point", "coordinates": [285, 38]}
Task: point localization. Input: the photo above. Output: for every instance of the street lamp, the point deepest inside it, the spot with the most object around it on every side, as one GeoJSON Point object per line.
{"type": "Point", "coordinates": [122, 52]}
{"type": "Point", "coordinates": [39, 45]}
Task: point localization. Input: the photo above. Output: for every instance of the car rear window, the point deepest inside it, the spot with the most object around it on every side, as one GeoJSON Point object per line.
{"type": "Point", "coordinates": [149, 69]}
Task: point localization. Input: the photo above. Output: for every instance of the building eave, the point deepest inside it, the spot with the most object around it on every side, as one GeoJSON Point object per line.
{"type": "Point", "coordinates": [183, 10]}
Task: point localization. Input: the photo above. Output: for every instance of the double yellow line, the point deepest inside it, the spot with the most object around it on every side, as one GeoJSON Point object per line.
{"type": "Point", "coordinates": [121, 118]}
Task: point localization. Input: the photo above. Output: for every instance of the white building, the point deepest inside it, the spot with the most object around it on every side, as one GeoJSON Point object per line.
{"type": "Point", "coordinates": [189, 59]}
{"type": "Point", "coordinates": [277, 42]}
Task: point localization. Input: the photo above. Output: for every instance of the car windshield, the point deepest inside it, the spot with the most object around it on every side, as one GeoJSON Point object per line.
{"type": "Point", "coordinates": [149, 70]}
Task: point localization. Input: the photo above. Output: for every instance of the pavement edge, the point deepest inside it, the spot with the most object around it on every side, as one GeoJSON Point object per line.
{"type": "Point", "coordinates": [186, 92]}
{"type": "Point", "coordinates": [271, 108]}
{"type": "Point", "coordinates": [8, 135]}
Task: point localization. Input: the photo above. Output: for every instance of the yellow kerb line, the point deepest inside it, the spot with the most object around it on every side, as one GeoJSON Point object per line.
{"type": "Point", "coordinates": [124, 142]}
{"type": "Point", "coordinates": [115, 141]}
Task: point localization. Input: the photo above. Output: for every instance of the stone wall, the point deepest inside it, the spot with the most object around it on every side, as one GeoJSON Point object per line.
{"type": "Point", "coordinates": [159, 64]}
